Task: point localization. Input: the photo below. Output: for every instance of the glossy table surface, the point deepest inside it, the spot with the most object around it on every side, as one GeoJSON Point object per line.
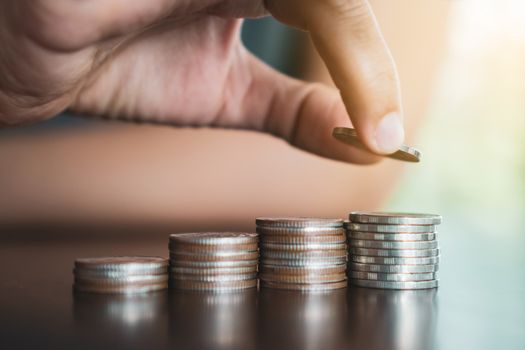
{"type": "Point", "coordinates": [479, 305]}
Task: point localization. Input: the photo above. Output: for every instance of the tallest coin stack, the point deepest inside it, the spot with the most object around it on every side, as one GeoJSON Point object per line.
{"type": "Point", "coordinates": [393, 250]}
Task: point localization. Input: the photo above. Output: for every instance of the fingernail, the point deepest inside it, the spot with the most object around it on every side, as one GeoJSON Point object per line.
{"type": "Point", "coordinates": [389, 133]}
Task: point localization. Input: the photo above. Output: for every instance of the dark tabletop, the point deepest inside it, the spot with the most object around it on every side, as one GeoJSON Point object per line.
{"type": "Point", "coordinates": [479, 305]}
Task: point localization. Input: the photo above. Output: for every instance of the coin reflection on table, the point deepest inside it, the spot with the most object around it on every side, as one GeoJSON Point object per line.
{"type": "Point", "coordinates": [392, 319]}
{"type": "Point", "coordinates": [295, 320]}
{"type": "Point", "coordinates": [133, 317]}
{"type": "Point", "coordinates": [208, 320]}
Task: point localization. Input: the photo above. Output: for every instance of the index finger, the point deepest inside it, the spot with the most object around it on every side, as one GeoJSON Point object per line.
{"type": "Point", "coordinates": [347, 37]}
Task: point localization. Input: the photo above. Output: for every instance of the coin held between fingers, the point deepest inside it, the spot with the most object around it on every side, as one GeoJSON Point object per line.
{"type": "Point", "coordinates": [389, 134]}
{"type": "Point", "coordinates": [349, 136]}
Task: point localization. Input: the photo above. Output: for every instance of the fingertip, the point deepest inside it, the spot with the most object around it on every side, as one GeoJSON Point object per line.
{"type": "Point", "coordinates": [322, 110]}
{"type": "Point", "coordinates": [389, 134]}
{"type": "Point", "coordinates": [364, 71]}
{"type": "Point", "coordinates": [382, 136]}
{"type": "Point", "coordinates": [304, 114]}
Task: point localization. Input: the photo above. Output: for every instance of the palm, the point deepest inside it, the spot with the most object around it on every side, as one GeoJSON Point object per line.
{"type": "Point", "coordinates": [193, 73]}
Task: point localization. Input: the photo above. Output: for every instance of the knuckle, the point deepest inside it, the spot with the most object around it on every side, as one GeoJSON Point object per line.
{"type": "Point", "coordinates": [55, 24]}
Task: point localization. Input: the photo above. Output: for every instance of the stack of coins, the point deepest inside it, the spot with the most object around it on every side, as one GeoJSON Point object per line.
{"type": "Point", "coordinates": [123, 274]}
{"type": "Point", "coordinates": [302, 254]}
{"type": "Point", "coordinates": [393, 250]}
{"type": "Point", "coordinates": [214, 261]}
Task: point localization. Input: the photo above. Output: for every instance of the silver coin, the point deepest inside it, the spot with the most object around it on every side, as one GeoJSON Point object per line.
{"type": "Point", "coordinates": [307, 262]}
{"type": "Point", "coordinates": [321, 254]}
{"type": "Point", "coordinates": [300, 231]}
{"type": "Point", "coordinates": [376, 236]}
{"type": "Point", "coordinates": [395, 285]}
{"type": "Point", "coordinates": [214, 270]}
{"type": "Point", "coordinates": [379, 260]}
{"type": "Point", "coordinates": [405, 253]}
{"type": "Point", "coordinates": [384, 218]}
{"type": "Point", "coordinates": [127, 280]}
{"type": "Point", "coordinates": [121, 263]}
{"type": "Point", "coordinates": [297, 222]}
{"type": "Point", "coordinates": [394, 277]}
{"type": "Point", "coordinates": [392, 245]}
{"type": "Point", "coordinates": [307, 239]}
{"type": "Point", "coordinates": [353, 266]}
{"type": "Point", "coordinates": [182, 256]}
{"type": "Point", "coordinates": [212, 248]}
{"type": "Point", "coordinates": [313, 287]}
{"type": "Point", "coordinates": [214, 278]}
{"type": "Point", "coordinates": [213, 264]}
{"type": "Point", "coordinates": [302, 247]}
{"type": "Point", "coordinates": [133, 289]}
{"type": "Point", "coordinates": [349, 136]}
{"type": "Point", "coordinates": [215, 237]}
{"type": "Point", "coordinates": [220, 253]}
{"type": "Point", "coordinates": [108, 274]}
{"type": "Point", "coordinates": [219, 286]}
{"type": "Point", "coordinates": [303, 279]}
{"type": "Point", "coordinates": [302, 270]}
{"type": "Point", "coordinates": [400, 229]}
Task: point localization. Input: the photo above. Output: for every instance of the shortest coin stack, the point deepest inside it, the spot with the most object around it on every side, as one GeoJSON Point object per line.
{"type": "Point", "coordinates": [122, 274]}
{"type": "Point", "coordinates": [213, 261]}
{"type": "Point", "coordinates": [393, 250]}
{"type": "Point", "coordinates": [305, 254]}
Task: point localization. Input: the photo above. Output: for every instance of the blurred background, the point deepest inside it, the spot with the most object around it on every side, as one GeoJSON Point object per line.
{"type": "Point", "coordinates": [462, 70]}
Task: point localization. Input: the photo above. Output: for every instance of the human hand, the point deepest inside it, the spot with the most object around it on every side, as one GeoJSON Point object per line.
{"type": "Point", "coordinates": [181, 62]}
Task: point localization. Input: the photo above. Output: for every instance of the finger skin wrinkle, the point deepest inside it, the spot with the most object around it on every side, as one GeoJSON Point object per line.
{"type": "Point", "coordinates": [246, 99]}
{"type": "Point", "coordinates": [237, 77]}
{"type": "Point", "coordinates": [230, 110]}
{"type": "Point", "coordinates": [348, 8]}
{"type": "Point", "coordinates": [299, 116]}
{"type": "Point", "coordinates": [69, 25]}
{"type": "Point", "coordinates": [53, 26]}
{"type": "Point", "coordinates": [284, 108]}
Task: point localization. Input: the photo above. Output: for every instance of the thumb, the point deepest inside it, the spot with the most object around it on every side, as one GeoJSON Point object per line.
{"type": "Point", "coordinates": [348, 39]}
